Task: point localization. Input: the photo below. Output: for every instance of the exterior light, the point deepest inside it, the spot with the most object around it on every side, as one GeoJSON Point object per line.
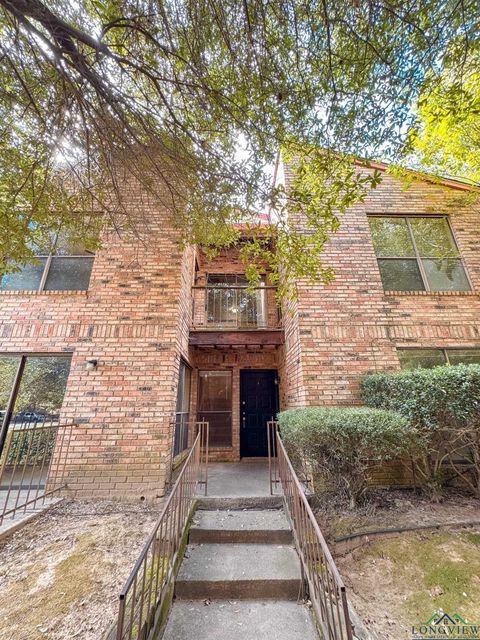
{"type": "Point", "coordinates": [92, 365]}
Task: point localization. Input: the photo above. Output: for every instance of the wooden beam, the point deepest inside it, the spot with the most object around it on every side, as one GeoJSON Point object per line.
{"type": "Point", "coordinates": [240, 338]}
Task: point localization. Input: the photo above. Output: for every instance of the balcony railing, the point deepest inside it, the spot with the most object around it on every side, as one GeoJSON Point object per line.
{"type": "Point", "coordinates": [234, 307]}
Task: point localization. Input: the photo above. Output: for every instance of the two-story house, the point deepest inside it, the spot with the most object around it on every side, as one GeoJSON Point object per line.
{"type": "Point", "coordinates": [136, 342]}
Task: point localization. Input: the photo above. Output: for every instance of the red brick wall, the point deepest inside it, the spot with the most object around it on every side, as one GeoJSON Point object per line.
{"type": "Point", "coordinates": [352, 327]}
{"type": "Point", "coordinates": [134, 321]}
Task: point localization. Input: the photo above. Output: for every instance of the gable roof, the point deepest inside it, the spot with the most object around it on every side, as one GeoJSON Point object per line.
{"type": "Point", "coordinates": [453, 183]}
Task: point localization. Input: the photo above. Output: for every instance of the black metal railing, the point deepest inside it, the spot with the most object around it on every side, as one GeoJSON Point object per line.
{"type": "Point", "coordinates": [32, 465]}
{"type": "Point", "coordinates": [326, 589]}
{"type": "Point", "coordinates": [145, 595]}
{"type": "Point", "coordinates": [235, 307]}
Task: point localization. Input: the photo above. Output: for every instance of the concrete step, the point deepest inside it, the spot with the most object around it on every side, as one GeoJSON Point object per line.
{"type": "Point", "coordinates": [210, 503]}
{"type": "Point", "coordinates": [268, 526]}
{"type": "Point", "coordinates": [239, 571]}
{"type": "Point", "coordinates": [244, 620]}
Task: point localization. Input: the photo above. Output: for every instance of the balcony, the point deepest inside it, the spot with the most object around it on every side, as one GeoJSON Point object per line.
{"type": "Point", "coordinates": [228, 315]}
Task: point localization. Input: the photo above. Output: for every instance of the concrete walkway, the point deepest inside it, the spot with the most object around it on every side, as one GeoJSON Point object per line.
{"type": "Point", "coordinates": [238, 485]}
{"type": "Point", "coordinates": [246, 479]}
{"type": "Point", "coordinates": [240, 578]}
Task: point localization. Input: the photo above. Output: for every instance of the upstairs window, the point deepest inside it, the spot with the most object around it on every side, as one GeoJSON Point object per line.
{"type": "Point", "coordinates": [64, 266]}
{"type": "Point", "coordinates": [231, 304]}
{"type": "Point", "coordinates": [417, 254]}
{"type": "Point", "coordinates": [428, 358]}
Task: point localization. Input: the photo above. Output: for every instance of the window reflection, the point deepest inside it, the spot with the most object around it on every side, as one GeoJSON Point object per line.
{"type": "Point", "coordinates": [215, 405]}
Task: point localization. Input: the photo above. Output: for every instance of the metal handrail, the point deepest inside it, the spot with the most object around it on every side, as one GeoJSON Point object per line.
{"type": "Point", "coordinates": [326, 589]}
{"type": "Point", "coordinates": [221, 306]}
{"type": "Point", "coordinates": [33, 464]}
{"type": "Point", "coordinates": [148, 587]}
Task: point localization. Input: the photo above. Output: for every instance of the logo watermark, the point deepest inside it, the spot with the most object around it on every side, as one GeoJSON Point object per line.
{"type": "Point", "coordinates": [443, 625]}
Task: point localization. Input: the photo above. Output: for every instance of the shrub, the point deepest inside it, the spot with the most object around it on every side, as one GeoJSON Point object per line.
{"type": "Point", "coordinates": [338, 443]}
{"type": "Point", "coordinates": [443, 404]}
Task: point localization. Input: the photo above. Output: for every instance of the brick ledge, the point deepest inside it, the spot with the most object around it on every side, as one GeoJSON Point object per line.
{"type": "Point", "coordinates": [391, 294]}
{"type": "Point", "coordinates": [69, 292]}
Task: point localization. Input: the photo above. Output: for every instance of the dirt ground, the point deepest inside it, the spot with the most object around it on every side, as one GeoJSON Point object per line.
{"type": "Point", "coordinates": [395, 508]}
{"type": "Point", "coordinates": [61, 574]}
{"type": "Point", "coordinates": [399, 582]}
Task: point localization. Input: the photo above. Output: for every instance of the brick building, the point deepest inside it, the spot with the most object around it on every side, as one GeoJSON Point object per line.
{"type": "Point", "coordinates": [148, 336]}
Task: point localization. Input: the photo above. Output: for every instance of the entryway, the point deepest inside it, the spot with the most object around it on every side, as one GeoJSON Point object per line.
{"type": "Point", "coordinates": [258, 405]}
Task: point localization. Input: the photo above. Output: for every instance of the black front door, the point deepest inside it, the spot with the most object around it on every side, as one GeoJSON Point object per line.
{"type": "Point", "coordinates": [258, 404]}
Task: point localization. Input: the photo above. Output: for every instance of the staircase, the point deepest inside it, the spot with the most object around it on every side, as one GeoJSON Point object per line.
{"type": "Point", "coordinates": [240, 579]}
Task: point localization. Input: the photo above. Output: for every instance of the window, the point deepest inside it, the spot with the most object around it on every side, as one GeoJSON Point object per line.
{"type": "Point", "coordinates": [417, 254]}
{"type": "Point", "coordinates": [42, 383]}
{"type": "Point", "coordinates": [61, 267]}
{"type": "Point", "coordinates": [428, 358]}
{"type": "Point", "coordinates": [182, 415]}
{"type": "Point", "coordinates": [215, 405]}
{"type": "Point", "coordinates": [230, 304]}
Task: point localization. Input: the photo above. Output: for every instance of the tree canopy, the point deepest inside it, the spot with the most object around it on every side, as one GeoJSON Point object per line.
{"type": "Point", "coordinates": [446, 137]}
{"type": "Point", "coordinates": [198, 97]}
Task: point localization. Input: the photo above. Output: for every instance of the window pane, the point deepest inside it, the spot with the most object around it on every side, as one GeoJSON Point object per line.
{"type": "Point", "coordinates": [215, 393]}
{"type": "Point", "coordinates": [222, 305]}
{"type": "Point", "coordinates": [391, 237]}
{"type": "Point", "coordinates": [433, 237]}
{"type": "Point", "coordinates": [446, 275]}
{"type": "Point", "coordinates": [228, 304]}
{"type": "Point", "coordinates": [186, 388]}
{"type": "Point", "coordinates": [183, 390]}
{"type": "Point", "coordinates": [67, 246]}
{"type": "Point", "coordinates": [28, 279]}
{"type": "Point", "coordinates": [180, 442]}
{"type": "Point", "coordinates": [69, 274]}
{"type": "Point", "coordinates": [215, 405]}
{"type": "Point", "coordinates": [41, 391]}
{"type": "Point", "coordinates": [400, 275]}
{"type": "Point", "coordinates": [8, 368]}
{"type": "Point", "coordinates": [464, 356]}
{"type": "Point", "coordinates": [246, 309]}
{"type": "Point", "coordinates": [414, 358]}
{"type": "Point", "coordinates": [219, 428]}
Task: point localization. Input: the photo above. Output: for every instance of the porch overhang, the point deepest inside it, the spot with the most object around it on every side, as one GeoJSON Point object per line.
{"type": "Point", "coordinates": [238, 338]}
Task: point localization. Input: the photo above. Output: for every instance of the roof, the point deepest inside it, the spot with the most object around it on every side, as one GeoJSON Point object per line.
{"type": "Point", "coordinates": [447, 181]}
{"type": "Point", "coordinates": [257, 220]}
{"type": "Point", "coordinates": [453, 183]}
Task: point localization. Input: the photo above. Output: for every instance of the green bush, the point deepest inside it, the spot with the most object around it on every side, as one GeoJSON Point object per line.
{"type": "Point", "coordinates": [443, 404]}
{"type": "Point", "coordinates": [337, 443]}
